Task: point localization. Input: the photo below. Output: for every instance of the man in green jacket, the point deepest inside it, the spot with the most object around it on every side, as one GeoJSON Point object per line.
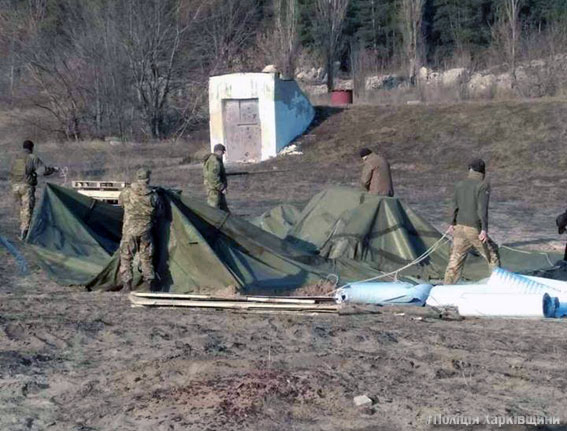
{"type": "Point", "coordinates": [23, 179]}
{"type": "Point", "coordinates": [469, 222]}
{"type": "Point", "coordinates": [214, 177]}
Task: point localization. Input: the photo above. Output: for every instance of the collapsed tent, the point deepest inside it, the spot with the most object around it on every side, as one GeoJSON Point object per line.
{"type": "Point", "coordinates": [384, 233]}
{"type": "Point", "coordinates": [198, 249]}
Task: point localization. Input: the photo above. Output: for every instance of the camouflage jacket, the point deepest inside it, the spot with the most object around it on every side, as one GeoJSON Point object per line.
{"type": "Point", "coordinates": [25, 167]}
{"type": "Point", "coordinates": [214, 174]}
{"type": "Point", "coordinates": [141, 205]}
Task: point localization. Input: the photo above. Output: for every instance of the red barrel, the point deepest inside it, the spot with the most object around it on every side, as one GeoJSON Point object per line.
{"type": "Point", "coordinates": [341, 97]}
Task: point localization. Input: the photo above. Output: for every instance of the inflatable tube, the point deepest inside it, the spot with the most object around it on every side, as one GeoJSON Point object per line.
{"type": "Point", "coordinates": [507, 305]}
{"type": "Point", "coordinates": [501, 281]}
{"type": "Point", "coordinates": [558, 285]}
{"type": "Point", "coordinates": [383, 293]}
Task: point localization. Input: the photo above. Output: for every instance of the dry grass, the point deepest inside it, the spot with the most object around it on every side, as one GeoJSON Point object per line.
{"type": "Point", "coordinates": [428, 147]}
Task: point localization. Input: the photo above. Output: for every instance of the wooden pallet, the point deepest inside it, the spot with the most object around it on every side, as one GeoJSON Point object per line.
{"type": "Point", "coordinates": [99, 185]}
{"type": "Point", "coordinates": [105, 191]}
{"type": "Point", "coordinates": [248, 303]}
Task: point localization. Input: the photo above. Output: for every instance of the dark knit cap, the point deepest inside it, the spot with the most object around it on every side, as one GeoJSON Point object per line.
{"type": "Point", "coordinates": [364, 152]}
{"type": "Point", "coordinates": [219, 147]}
{"type": "Point", "coordinates": [28, 145]}
{"type": "Point", "coordinates": [478, 165]}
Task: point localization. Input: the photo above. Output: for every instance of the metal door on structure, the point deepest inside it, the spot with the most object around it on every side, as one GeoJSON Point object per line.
{"type": "Point", "coordinates": [242, 132]}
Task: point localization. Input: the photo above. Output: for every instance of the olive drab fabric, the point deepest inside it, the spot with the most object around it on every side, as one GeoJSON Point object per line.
{"type": "Point", "coordinates": [376, 177]}
{"type": "Point", "coordinates": [200, 249]}
{"type": "Point", "coordinates": [197, 249]}
{"type": "Point", "coordinates": [214, 177]}
{"type": "Point", "coordinates": [465, 238]}
{"type": "Point", "coordinates": [140, 203]}
{"type": "Point", "coordinates": [384, 233]}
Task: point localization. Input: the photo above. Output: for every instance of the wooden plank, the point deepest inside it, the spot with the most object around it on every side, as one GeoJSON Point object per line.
{"type": "Point", "coordinates": [173, 295]}
{"type": "Point", "coordinates": [268, 299]}
{"type": "Point", "coordinates": [231, 304]}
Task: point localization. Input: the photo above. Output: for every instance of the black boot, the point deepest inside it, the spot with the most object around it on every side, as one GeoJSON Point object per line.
{"type": "Point", "coordinates": [23, 234]}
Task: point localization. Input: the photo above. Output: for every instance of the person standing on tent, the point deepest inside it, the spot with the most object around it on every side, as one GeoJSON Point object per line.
{"type": "Point", "coordinates": [141, 205]}
{"type": "Point", "coordinates": [214, 177]}
{"type": "Point", "coordinates": [23, 178]}
{"type": "Point", "coordinates": [376, 176]}
{"type": "Point", "coordinates": [469, 222]}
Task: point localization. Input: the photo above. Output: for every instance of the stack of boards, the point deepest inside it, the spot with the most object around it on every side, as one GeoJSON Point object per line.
{"type": "Point", "coordinates": [310, 304]}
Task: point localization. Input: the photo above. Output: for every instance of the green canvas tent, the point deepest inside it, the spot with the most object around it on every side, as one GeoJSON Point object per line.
{"type": "Point", "coordinates": [198, 249]}
{"type": "Point", "coordinates": [383, 232]}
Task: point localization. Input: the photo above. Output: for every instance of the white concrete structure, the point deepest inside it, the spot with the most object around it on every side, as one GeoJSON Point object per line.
{"type": "Point", "coordinates": [255, 115]}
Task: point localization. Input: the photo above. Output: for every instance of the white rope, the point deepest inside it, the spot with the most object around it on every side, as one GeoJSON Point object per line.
{"type": "Point", "coordinates": [420, 258]}
{"type": "Point", "coordinates": [530, 252]}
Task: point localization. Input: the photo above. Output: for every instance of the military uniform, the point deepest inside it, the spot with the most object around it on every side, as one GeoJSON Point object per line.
{"type": "Point", "coordinates": [376, 177]}
{"type": "Point", "coordinates": [141, 205]}
{"type": "Point", "coordinates": [470, 216]}
{"type": "Point", "coordinates": [214, 177]}
{"type": "Point", "coordinates": [23, 179]}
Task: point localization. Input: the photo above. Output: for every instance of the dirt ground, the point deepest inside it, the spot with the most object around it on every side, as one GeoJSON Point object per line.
{"type": "Point", "coordinates": [72, 360]}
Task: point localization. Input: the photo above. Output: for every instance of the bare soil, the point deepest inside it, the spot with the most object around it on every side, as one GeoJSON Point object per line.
{"type": "Point", "coordinates": [72, 360]}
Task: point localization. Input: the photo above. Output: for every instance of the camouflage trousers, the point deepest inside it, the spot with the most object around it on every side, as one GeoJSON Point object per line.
{"type": "Point", "coordinates": [465, 238]}
{"type": "Point", "coordinates": [217, 199]}
{"type": "Point", "coordinates": [129, 246]}
{"type": "Point", "coordinates": [24, 195]}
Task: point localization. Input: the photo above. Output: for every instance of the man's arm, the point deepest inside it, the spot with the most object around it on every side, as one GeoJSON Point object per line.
{"type": "Point", "coordinates": [366, 176]}
{"type": "Point", "coordinates": [42, 168]}
{"type": "Point", "coordinates": [482, 205]}
{"type": "Point", "coordinates": [454, 209]}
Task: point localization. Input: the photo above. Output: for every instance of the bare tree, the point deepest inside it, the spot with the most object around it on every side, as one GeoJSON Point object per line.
{"type": "Point", "coordinates": [329, 20]}
{"type": "Point", "coordinates": [286, 17]}
{"type": "Point", "coordinates": [152, 39]}
{"type": "Point", "coordinates": [411, 16]}
{"type": "Point", "coordinates": [507, 31]}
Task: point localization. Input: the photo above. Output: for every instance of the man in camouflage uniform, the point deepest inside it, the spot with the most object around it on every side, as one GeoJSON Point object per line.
{"type": "Point", "coordinates": [23, 178]}
{"type": "Point", "coordinates": [215, 178]}
{"type": "Point", "coordinates": [141, 205]}
{"type": "Point", "coordinates": [469, 224]}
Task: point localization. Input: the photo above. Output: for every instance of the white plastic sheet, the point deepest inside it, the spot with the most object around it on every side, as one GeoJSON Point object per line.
{"type": "Point", "coordinates": [507, 305]}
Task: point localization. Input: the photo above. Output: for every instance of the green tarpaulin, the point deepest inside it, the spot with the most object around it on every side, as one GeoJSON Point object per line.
{"type": "Point", "coordinates": [383, 232]}
{"type": "Point", "coordinates": [198, 249]}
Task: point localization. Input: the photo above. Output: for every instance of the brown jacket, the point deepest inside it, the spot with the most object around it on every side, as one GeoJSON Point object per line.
{"type": "Point", "coordinates": [376, 177]}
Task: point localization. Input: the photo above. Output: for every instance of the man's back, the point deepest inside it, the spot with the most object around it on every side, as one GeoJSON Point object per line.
{"type": "Point", "coordinates": [139, 202]}
{"type": "Point", "coordinates": [214, 175]}
{"type": "Point", "coordinates": [24, 168]}
{"type": "Point", "coordinates": [470, 202]}
{"type": "Point", "coordinates": [376, 175]}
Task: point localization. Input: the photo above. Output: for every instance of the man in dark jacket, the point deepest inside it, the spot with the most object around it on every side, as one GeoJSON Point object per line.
{"type": "Point", "coordinates": [376, 177]}
{"type": "Point", "coordinates": [469, 222]}
{"type": "Point", "coordinates": [23, 179]}
{"type": "Point", "coordinates": [214, 177]}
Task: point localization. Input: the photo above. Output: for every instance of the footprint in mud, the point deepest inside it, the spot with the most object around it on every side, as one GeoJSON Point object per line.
{"type": "Point", "coordinates": [14, 331]}
{"type": "Point", "coordinates": [13, 362]}
{"type": "Point", "coordinates": [215, 347]}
